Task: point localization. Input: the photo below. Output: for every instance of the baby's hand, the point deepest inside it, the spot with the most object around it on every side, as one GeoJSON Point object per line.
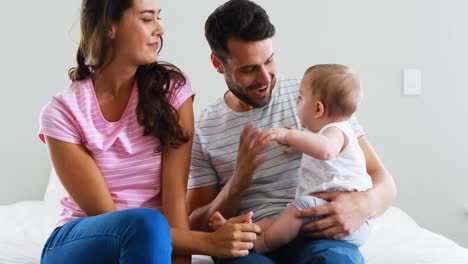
{"type": "Point", "coordinates": [278, 134]}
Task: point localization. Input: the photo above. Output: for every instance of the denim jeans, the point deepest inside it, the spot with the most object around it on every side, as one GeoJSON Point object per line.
{"type": "Point", "coordinates": [304, 250]}
{"type": "Point", "coordinates": [139, 235]}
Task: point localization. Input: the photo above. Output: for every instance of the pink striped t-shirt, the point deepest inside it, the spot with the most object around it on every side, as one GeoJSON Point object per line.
{"type": "Point", "coordinates": [126, 158]}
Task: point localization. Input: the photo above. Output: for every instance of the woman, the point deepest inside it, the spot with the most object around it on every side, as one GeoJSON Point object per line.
{"type": "Point", "coordinates": [119, 138]}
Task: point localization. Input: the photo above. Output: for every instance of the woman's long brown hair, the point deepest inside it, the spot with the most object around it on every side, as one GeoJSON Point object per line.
{"type": "Point", "coordinates": [157, 81]}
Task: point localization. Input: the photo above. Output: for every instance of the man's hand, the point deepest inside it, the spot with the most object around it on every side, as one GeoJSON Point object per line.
{"type": "Point", "coordinates": [251, 144]}
{"type": "Point", "coordinates": [344, 214]}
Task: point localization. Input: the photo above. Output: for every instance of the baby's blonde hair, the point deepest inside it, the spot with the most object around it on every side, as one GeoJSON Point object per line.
{"type": "Point", "coordinates": [336, 86]}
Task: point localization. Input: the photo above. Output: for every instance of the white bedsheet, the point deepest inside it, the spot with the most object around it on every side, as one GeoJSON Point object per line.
{"type": "Point", "coordinates": [396, 238]}
{"type": "Point", "coordinates": [23, 230]}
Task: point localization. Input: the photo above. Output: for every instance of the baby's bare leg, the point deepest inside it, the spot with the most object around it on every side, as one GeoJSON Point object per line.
{"type": "Point", "coordinates": [265, 223]}
{"type": "Point", "coordinates": [279, 232]}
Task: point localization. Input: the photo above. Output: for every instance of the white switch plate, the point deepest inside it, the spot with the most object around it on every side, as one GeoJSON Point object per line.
{"type": "Point", "coordinates": [412, 82]}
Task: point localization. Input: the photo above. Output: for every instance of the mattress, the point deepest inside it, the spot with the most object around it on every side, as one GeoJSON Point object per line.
{"type": "Point", "coordinates": [396, 238]}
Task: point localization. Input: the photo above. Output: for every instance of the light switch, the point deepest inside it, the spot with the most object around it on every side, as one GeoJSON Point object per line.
{"type": "Point", "coordinates": [412, 82]}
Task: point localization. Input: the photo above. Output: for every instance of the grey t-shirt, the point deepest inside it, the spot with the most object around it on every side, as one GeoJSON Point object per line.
{"type": "Point", "coordinates": [216, 141]}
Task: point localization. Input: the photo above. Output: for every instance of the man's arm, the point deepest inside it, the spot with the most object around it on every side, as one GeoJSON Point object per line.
{"type": "Point", "coordinates": [203, 202]}
{"type": "Point", "coordinates": [383, 191]}
{"type": "Point", "coordinates": [347, 211]}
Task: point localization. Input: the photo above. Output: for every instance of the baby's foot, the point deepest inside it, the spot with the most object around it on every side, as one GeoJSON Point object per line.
{"type": "Point", "coordinates": [216, 220]}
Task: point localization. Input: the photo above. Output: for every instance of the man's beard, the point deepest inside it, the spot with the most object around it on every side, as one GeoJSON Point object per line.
{"type": "Point", "coordinates": [236, 90]}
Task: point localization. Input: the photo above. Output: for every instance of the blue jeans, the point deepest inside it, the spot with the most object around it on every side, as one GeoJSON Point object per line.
{"type": "Point", "coordinates": [302, 251]}
{"type": "Point", "coordinates": [139, 235]}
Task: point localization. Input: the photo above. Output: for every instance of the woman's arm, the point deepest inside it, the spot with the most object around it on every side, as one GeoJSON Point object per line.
{"type": "Point", "coordinates": [80, 176]}
{"type": "Point", "coordinates": [175, 170]}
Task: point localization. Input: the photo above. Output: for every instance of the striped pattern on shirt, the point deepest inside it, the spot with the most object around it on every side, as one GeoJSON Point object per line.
{"type": "Point", "coordinates": [125, 158]}
{"type": "Point", "coordinates": [216, 141]}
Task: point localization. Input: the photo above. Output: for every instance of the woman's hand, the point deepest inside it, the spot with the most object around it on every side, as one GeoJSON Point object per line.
{"type": "Point", "coordinates": [235, 238]}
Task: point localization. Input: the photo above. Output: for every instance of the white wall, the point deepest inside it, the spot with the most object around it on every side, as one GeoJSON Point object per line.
{"type": "Point", "coordinates": [35, 52]}
{"type": "Point", "coordinates": [421, 139]}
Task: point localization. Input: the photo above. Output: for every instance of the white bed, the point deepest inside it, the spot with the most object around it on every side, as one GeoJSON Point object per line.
{"type": "Point", "coordinates": [396, 238]}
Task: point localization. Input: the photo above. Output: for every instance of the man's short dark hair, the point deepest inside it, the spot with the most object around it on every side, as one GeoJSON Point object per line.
{"type": "Point", "coordinates": [242, 19]}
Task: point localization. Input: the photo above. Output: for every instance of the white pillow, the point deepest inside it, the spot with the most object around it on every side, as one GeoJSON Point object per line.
{"type": "Point", "coordinates": [55, 190]}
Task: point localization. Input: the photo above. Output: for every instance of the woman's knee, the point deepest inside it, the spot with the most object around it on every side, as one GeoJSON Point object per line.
{"type": "Point", "coordinates": [149, 226]}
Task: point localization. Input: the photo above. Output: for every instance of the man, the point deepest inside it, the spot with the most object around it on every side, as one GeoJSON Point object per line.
{"type": "Point", "coordinates": [236, 174]}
